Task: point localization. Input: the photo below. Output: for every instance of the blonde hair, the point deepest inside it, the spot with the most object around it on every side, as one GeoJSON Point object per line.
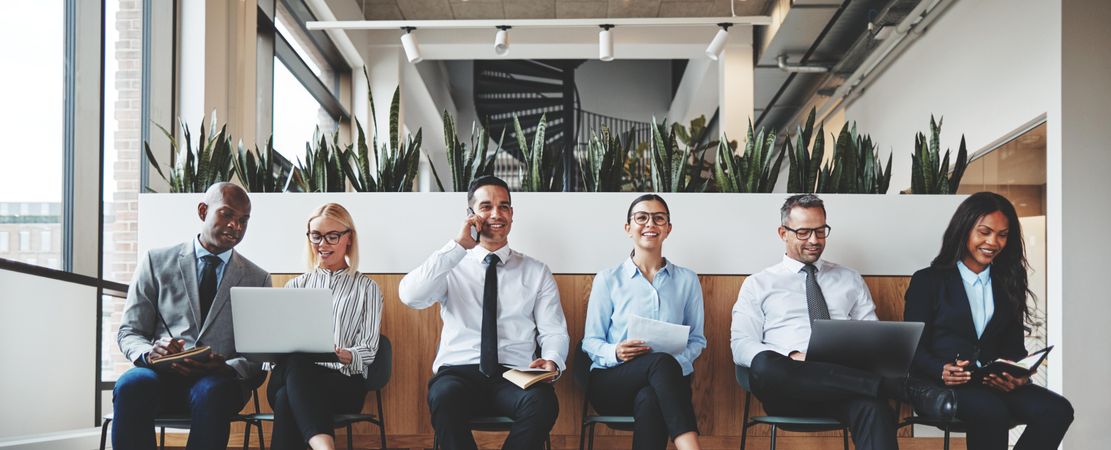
{"type": "Point", "coordinates": [339, 214]}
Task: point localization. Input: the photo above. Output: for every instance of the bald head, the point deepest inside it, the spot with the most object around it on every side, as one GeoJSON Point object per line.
{"type": "Point", "coordinates": [225, 210]}
{"type": "Point", "coordinates": [218, 192]}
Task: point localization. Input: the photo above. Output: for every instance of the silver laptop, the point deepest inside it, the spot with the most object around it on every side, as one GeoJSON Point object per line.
{"type": "Point", "coordinates": [885, 348]}
{"type": "Point", "coordinates": [270, 324]}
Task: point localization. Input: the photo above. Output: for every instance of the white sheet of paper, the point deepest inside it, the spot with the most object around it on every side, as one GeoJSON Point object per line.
{"type": "Point", "coordinates": [661, 336]}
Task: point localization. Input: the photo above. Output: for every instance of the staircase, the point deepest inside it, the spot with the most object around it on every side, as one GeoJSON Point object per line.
{"type": "Point", "coordinates": [529, 89]}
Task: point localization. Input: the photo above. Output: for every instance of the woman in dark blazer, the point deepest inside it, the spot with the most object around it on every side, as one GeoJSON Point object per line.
{"type": "Point", "coordinates": [972, 299]}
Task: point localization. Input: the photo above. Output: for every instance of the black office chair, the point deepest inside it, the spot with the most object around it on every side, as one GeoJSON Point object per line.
{"type": "Point", "coordinates": [581, 372]}
{"type": "Point", "coordinates": [378, 374]}
{"type": "Point", "coordinates": [183, 421]}
{"type": "Point", "coordinates": [492, 423]}
{"type": "Point", "coordinates": [948, 426]}
{"type": "Point", "coordinates": [786, 423]}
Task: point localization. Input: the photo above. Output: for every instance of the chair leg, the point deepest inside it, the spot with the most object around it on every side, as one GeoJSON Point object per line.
{"type": "Point", "coordinates": [381, 419]}
{"type": "Point", "coordinates": [246, 434]}
{"type": "Point", "coordinates": [946, 438]}
{"type": "Point", "coordinates": [350, 439]}
{"type": "Point", "coordinates": [591, 440]}
{"type": "Point", "coordinates": [104, 433]}
{"type": "Point", "coordinates": [744, 434]}
{"type": "Point", "coordinates": [582, 438]}
{"type": "Point", "coordinates": [261, 443]}
{"type": "Point", "coordinates": [548, 442]}
{"type": "Point", "coordinates": [845, 437]}
{"type": "Point", "coordinates": [772, 447]}
{"type": "Point", "coordinates": [162, 439]}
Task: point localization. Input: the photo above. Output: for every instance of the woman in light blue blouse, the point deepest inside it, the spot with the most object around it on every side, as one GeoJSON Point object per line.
{"type": "Point", "coordinates": [626, 376]}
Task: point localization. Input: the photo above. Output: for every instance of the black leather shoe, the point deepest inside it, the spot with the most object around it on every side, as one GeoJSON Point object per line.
{"type": "Point", "coordinates": [931, 400]}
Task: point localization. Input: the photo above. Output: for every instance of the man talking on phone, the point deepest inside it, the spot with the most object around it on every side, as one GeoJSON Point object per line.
{"type": "Point", "coordinates": [497, 305]}
{"type": "Point", "coordinates": [180, 299]}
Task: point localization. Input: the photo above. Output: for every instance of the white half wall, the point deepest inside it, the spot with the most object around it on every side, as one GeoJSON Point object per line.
{"type": "Point", "coordinates": [48, 384]}
{"type": "Point", "coordinates": [576, 233]}
{"type": "Point", "coordinates": [986, 66]}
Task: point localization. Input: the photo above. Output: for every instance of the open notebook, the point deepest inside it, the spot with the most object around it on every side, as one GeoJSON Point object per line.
{"type": "Point", "coordinates": [1021, 368]}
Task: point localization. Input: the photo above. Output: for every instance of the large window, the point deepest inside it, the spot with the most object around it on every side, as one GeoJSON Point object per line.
{"type": "Point", "coordinates": [306, 84]}
{"type": "Point", "coordinates": [32, 176]}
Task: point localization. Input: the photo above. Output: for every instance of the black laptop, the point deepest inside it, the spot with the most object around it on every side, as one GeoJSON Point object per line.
{"type": "Point", "coordinates": [885, 348]}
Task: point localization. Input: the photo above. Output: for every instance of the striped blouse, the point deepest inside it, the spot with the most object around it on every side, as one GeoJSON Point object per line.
{"type": "Point", "coordinates": [357, 305]}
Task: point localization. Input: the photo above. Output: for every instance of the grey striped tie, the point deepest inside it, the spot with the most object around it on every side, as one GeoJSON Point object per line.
{"type": "Point", "coordinates": [815, 301]}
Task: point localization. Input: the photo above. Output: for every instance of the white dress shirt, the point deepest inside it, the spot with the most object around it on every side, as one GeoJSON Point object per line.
{"type": "Point", "coordinates": [529, 310]}
{"type": "Point", "coordinates": [771, 313]}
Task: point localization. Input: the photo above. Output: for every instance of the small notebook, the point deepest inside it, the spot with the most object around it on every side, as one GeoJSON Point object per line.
{"type": "Point", "coordinates": [1021, 368]}
{"type": "Point", "coordinates": [526, 377]}
{"type": "Point", "coordinates": [196, 353]}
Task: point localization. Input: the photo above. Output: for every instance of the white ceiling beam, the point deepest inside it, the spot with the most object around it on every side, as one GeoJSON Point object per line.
{"type": "Point", "coordinates": [534, 23]}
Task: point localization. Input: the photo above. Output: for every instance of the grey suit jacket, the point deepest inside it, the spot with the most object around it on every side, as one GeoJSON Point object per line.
{"type": "Point", "coordinates": [167, 277]}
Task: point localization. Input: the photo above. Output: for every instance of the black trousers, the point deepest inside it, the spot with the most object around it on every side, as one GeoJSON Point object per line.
{"type": "Point", "coordinates": [304, 396]}
{"type": "Point", "coordinates": [646, 387]}
{"type": "Point", "coordinates": [800, 388]}
{"type": "Point", "coordinates": [458, 393]}
{"type": "Point", "coordinates": [989, 414]}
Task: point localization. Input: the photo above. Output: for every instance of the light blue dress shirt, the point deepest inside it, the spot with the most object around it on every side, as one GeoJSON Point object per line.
{"type": "Point", "coordinates": [980, 298]}
{"type": "Point", "coordinates": [673, 296]}
{"type": "Point", "coordinates": [201, 252]}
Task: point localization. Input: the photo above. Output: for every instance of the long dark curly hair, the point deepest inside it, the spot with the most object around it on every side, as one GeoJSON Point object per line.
{"type": "Point", "coordinates": [1009, 267]}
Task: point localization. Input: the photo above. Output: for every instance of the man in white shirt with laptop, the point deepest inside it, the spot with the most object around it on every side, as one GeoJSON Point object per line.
{"type": "Point", "coordinates": [497, 305]}
{"type": "Point", "coordinates": [771, 332]}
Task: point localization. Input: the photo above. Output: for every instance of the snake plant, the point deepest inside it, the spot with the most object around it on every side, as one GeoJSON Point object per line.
{"type": "Point", "coordinates": [543, 166]}
{"type": "Point", "coordinates": [930, 173]}
{"type": "Point", "coordinates": [261, 174]}
{"type": "Point", "coordinates": [676, 169]}
{"type": "Point", "coordinates": [321, 170]}
{"type": "Point", "coordinates": [855, 167]}
{"type": "Point", "coordinates": [805, 157]}
{"type": "Point", "coordinates": [466, 163]}
{"type": "Point", "coordinates": [195, 169]}
{"type": "Point", "coordinates": [395, 160]}
{"type": "Point", "coordinates": [605, 162]}
{"type": "Point", "coordinates": [752, 171]}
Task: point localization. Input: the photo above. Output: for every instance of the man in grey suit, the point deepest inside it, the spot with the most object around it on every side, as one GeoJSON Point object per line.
{"type": "Point", "coordinates": [179, 299]}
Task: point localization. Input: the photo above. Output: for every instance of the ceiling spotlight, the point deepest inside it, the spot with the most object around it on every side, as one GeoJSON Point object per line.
{"type": "Point", "coordinates": [409, 43]}
{"type": "Point", "coordinates": [718, 44]}
{"type": "Point", "coordinates": [605, 43]}
{"type": "Point", "coordinates": [501, 40]}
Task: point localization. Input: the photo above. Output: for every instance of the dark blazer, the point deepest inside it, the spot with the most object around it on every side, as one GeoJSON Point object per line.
{"type": "Point", "coordinates": [936, 296]}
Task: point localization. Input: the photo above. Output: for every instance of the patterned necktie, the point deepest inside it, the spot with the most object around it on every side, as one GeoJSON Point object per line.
{"type": "Point", "coordinates": [207, 288]}
{"type": "Point", "coordinates": [488, 356]}
{"type": "Point", "coordinates": [815, 301]}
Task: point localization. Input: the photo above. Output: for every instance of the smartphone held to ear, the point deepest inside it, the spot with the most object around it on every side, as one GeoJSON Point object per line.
{"type": "Point", "coordinates": [474, 229]}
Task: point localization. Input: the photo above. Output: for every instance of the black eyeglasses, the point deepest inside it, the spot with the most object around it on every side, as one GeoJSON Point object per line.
{"type": "Point", "coordinates": [641, 218]}
{"type": "Point", "coordinates": [331, 238]}
{"type": "Point", "coordinates": [803, 234]}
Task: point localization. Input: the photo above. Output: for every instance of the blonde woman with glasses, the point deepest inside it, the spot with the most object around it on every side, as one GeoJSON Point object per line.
{"type": "Point", "coordinates": [303, 394]}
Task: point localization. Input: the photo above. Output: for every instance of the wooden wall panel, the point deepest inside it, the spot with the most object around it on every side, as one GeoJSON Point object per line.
{"type": "Point", "coordinates": [717, 398]}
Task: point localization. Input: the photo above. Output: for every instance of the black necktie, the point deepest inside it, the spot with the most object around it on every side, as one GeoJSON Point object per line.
{"type": "Point", "coordinates": [488, 356]}
{"type": "Point", "coordinates": [815, 301]}
{"type": "Point", "coordinates": [207, 289]}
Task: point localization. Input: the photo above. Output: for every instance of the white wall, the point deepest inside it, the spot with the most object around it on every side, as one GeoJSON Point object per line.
{"type": "Point", "coordinates": [48, 331]}
{"type": "Point", "coordinates": [986, 66]}
{"type": "Point", "coordinates": [633, 90]}
{"type": "Point", "coordinates": [575, 233]}
{"type": "Point", "coordinates": [1078, 165]}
